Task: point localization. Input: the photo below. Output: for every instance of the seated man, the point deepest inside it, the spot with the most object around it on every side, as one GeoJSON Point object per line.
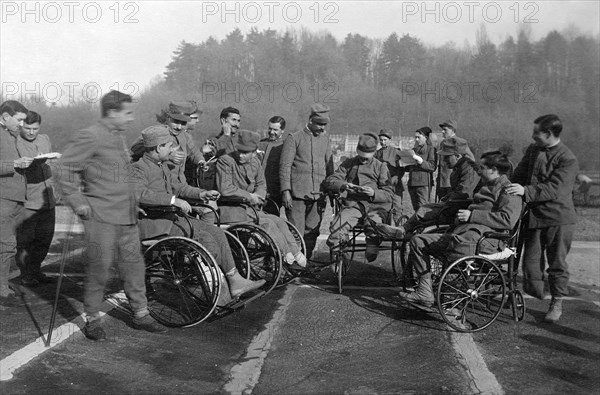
{"type": "Point", "coordinates": [492, 210]}
{"type": "Point", "coordinates": [240, 175]}
{"type": "Point", "coordinates": [366, 179]}
{"type": "Point", "coordinates": [463, 181]}
{"type": "Point", "coordinates": [156, 186]}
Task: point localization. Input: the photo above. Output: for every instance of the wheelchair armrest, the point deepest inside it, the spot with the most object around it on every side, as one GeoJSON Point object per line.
{"type": "Point", "coordinates": [459, 202]}
{"type": "Point", "coordinates": [497, 235]}
{"type": "Point", "coordinates": [157, 210]}
{"type": "Point", "coordinates": [225, 200]}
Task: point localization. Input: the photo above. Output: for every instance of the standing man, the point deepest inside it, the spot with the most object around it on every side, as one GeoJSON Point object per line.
{"type": "Point", "coordinates": [545, 178]}
{"type": "Point", "coordinates": [12, 191]}
{"type": "Point", "coordinates": [36, 225]}
{"type": "Point", "coordinates": [225, 142]}
{"type": "Point", "coordinates": [443, 180]}
{"type": "Point", "coordinates": [389, 155]}
{"type": "Point", "coordinates": [98, 158]}
{"type": "Point", "coordinates": [306, 161]}
{"type": "Point", "coordinates": [271, 148]}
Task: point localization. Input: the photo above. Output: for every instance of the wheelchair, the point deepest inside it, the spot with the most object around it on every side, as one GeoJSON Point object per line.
{"type": "Point", "coordinates": [343, 253]}
{"type": "Point", "coordinates": [184, 284]}
{"type": "Point", "coordinates": [401, 268]}
{"type": "Point", "coordinates": [266, 258]}
{"type": "Point", "coordinates": [471, 292]}
{"type": "Point", "coordinates": [262, 251]}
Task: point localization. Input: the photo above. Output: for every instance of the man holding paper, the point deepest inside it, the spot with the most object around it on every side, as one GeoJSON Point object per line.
{"type": "Point", "coordinates": [35, 229]}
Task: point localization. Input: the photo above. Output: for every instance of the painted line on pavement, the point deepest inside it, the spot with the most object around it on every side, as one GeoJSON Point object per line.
{"type": "Point", "coordinates": [482, 380]}
{"type": "Point", "coordinates": [26, 354]}
{"type": "Point", "coordinates": [245, 375]}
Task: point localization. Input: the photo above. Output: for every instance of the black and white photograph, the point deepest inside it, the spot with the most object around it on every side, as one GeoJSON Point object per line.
{"type": "Point", "coordinates": [300, 197]}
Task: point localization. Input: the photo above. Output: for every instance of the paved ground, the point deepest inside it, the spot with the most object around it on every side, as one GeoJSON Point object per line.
{"type": "Point", "coordinates": [306, 338]}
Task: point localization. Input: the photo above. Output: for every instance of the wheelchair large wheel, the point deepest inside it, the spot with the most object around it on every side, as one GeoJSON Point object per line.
{"type": "Point", "coordinates": [288, 275]}
{"type": "Point", "coordinates": [240, 255]}
{"type": "Point", "coordinates": [471, 294]}
{"type": "Point", "coordinates": [265, 256]}
{"type": "Point", "coordinates": [182, 282]}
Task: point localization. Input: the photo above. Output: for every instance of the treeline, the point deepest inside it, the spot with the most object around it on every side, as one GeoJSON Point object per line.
{"type": "Point", "coordinates": [493, 91]}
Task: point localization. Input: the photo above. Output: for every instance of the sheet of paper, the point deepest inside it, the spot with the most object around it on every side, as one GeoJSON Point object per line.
{"type": "Point", "coordinates": [50, 155]}
{"type": "Point", "coordinates": [406, 158]}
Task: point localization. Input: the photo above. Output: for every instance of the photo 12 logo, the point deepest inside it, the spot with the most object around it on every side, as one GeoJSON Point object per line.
{"type": "Point", "coordinates": [62, 93]}
{"type": "Point", "coordinates": [471, 11]}
{"type": "Point", "coordinates": [269, 11]}
{"type": "Point", "coordinates": [69, 11]}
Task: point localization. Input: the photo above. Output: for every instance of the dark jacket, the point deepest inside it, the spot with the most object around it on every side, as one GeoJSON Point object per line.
{"type": "Point", "coordinates": [185, 141]}
{"type": "Point", "coordinates": [306, 161]}
{"type": "Point", "coordinates": [372, 173]}
{"type": "Point", "coordinates": [492, 210]}
{"type": "Point", "coordinates": [420, 175]}
{"type": "Point", "coordinates": [39, 188]}
{"type": "Point", "coordinates": [390, 156]}
{"type": "Point", "coordinates": [270, 163]}
{"type": "Point", "coordinates": [12, 181]}
{"type": "Point", "coordinates": [155, 186]}
{"type": "Point", "coordinates": [238, 180]}
{"type": "Point", "coordinates": [548, 177]}
{"type": "Point", "coordinates": [463, 180]}
{"type": "Point", "coordinates": [95, 170]}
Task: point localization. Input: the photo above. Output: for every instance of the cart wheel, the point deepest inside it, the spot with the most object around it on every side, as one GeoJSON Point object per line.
{"type": "Point", "coordinates": [471, 293]}
{"type": "Point", "coordinates": [342, 263]}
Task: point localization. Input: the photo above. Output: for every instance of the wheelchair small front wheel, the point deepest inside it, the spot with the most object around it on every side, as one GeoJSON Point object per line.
{"type": "Point", "coordinates": [518, 305]}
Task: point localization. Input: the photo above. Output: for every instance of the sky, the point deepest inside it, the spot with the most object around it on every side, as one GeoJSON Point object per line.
{"type": "Point", "coordinates": [68, 50]}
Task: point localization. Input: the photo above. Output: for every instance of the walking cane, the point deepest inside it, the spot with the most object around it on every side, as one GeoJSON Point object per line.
{"type": "Point", "coordinates": [63, 261]}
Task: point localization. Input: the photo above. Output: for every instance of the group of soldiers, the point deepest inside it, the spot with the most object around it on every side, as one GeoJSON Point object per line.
{"type": "Point", "coordinates": [164, 166]}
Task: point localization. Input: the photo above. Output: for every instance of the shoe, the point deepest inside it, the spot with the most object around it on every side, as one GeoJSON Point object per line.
{"type": "Point", "coordinates": [148, 324]}
{"type": "Point", "coordinates": [239, 285]}
{"type": "Point", "coordinates": [10, 300]}
{"type": "Point", "coordinates": [289, 258]}
{"type": "Point", "coordinates": [371, 252]}
{"type": "Point", "coordinates": [389, 232]}
{"type": "Point", "coordinates": [300, 259]}
{"type": "Point", "coordinates": [555, 311]}
{"type": "Point", "coordinates": [423, 293]}
{"type": "Point", "coordinates": [35, 281]}
{"type": "Point", "coordinates": [93, 331]}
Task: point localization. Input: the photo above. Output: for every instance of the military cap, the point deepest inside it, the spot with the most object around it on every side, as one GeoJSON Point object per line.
{"type": "Point", "coordinates": [247, 141]}
{"type": "Point", "coordinates": [453, 146]}
{"type": "Point", "coordinates": [156, 135]}
{"type": "Point", "coordinates": [319, 113]}
{"type": "Point", "coordinates": [449, 123]}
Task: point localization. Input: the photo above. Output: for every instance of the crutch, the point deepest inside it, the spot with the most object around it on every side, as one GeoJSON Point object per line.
{"type": "Point", "coordinates": [63, 261]}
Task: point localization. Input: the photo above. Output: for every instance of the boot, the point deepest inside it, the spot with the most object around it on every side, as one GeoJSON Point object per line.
{"type": "Point", "coordinates": [238, 285]}
{"type": "Point", "coordinates": [423, 293]}
{"type": "Point", "coordinates": [371, 251]}
{"type": "Point", "coordinates": [555, 310]}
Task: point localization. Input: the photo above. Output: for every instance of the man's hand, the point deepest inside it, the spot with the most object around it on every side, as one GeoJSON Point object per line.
{"type": "Point", "coordinates": [211, 195]}
{"type": "Point", "coordinates": [183, 205]}
{"type": "Point", "coordinates": [286, 199]}
{"type": "Point", "coordinates": [226, 128]}
{"type": "Point", "coordinates": [463, 215]}
{"type": "Point", "coordinates": [84, 212]}
{"type": "Point", "coordinates": [22, 163]}
{"type": "Point", "coordinates": [177, 155]}
{"type": "Point", "coordinates": [417, 158]}
{"type": "Point", "coordinates": [367, 191]}
{"type": "Point", "coordinates": [515, 189]}
{"type": "Point", "coordinates": [256, 199]}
